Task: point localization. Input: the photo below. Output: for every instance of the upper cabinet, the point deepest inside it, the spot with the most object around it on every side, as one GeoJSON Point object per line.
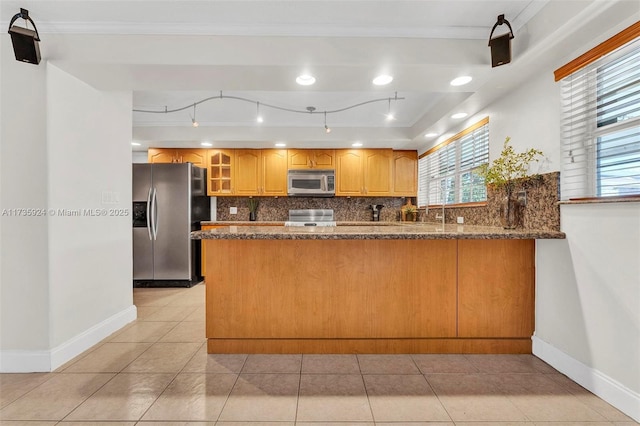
{"type": "Point", "coordinates": [255, 172]}
{"type": "Point", "coordinates": [311, 159]}
{"type": "Point", "coordinates": [220, 169]}
{"type": "Point", "coordinates": [349, 172]}
{"type": "Point", "coordinates": [247, 172]}
{"type": "Point", "coordinates": [364, 172]}
{"type": "Point", "coordinates": [261, 172]}
{"type": "Point", "coordinates": [274, 172]}
{"type": "Point", "coordinates": [170, 155]}
{"type": "Point", "coordinates": [378, 164]}
{"type": "Point", "coordinates": [405, 173]}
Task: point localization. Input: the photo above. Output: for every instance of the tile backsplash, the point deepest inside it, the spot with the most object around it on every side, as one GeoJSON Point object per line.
{"type": "Point", "coordinates": [541, 212]}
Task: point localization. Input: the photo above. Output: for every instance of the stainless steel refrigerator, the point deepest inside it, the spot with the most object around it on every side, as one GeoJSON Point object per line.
{"type": "Point", "coordinates": [169, 201]}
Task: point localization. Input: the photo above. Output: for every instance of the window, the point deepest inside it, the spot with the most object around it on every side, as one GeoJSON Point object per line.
{"type": "Point", "coordinates": [445, 173]}
{"type": "Point", "coordinates": [601, 127]}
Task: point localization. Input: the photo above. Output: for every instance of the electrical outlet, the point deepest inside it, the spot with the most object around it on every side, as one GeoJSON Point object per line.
{"type": "Point", "coordinates": [522, 198]}
{"type": "Point", "coordinates": [233, 210]}
{"type": "Point", "coordinates": [460, 220]}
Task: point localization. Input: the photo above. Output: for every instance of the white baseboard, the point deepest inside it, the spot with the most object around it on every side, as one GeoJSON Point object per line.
{"type": "Point", "coordinates": [25, 361]}
{"type": "Point", "coordinates": [612, 391]}
{"type": "Point", "coordinates": [48, 360]}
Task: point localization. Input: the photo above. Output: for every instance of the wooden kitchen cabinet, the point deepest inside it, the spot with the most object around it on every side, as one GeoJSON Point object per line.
{"type": "Point", "coordinates": [349, 172]}
{"type": "Point", "coordinates": [221, 164]}
{"type": "Point", "coordinates": [273, 172]}
{"type": "Point", "coordinates": [203, 249]}
{"type": "Point", "coordinates": [161, 155]}
{"type": "Point", "coordinates": [170, 155]}
{"type": "Point", "coordinates": [261, 172]}
{"type": "Point", "coordinates": [451, 295]}
{"type": "Point", "coordinates": [254, 172]}
{"type": "Point", "coordinates": [496, 288]}
{"type": "Point", "coordinates": [364, 172]}
{"type": "Point", "coordinates": [247, 172]}
{"type": "Point", "coordinates": [405, 173]}
{"type": "Point", "coordinates": [311, 159]}
{"type": "Point", "coordinates": [378, 164]}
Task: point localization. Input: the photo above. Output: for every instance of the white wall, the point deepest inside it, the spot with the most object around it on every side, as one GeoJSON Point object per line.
{"type": "Point", "coordinates": [24, 282]}
{"type": "Point", "coordinates": [90, 256]}
{"type": "Point", "coordinates": [65, 282]}
{"type": "Point", "coordinates": [588, 286]}
{"type": "Point", "coordinates": [588, 300]}
{"type": "Point", "coordinates": [139, 157]}
{"type": "Point", "coordinates": [530, 116]}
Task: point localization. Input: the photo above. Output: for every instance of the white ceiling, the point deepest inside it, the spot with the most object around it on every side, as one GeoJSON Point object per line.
{"type": "Point", "coordinates": [175, 53]}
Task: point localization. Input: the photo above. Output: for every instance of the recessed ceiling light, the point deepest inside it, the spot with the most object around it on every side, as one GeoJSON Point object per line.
{"type": "Point", "coordinates": [305, 80]}
{"type": "Point", "coordinates": [356, 144]}
{"type": "Point", "coordinates": [459, 115]}
{"type": "Point", "coordinates": [206, 144]}
{"type": "Point", "coordinates": [461, 81]}
{"type": "Point", "coordinates": [430, 135]}
{"type": "Point", "coordinates": [135, 144]}
{"type": "Point", "coordinates": [383, 79]}
{"type": "Point", "coordinates": [281, 144]}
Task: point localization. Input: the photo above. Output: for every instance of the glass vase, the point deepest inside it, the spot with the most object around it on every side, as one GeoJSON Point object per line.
{"type": "Point", "coordinates": [509, 213]}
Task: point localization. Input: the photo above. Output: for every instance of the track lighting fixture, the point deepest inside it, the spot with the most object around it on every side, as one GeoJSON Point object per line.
{"type": "Point", "coordinates": [326, 128]}
{"type": "Point", "coordinates": [389, 115]}
{"type": "Point", "coordinates": [24, 40]}
{"type": "Point", "coordinates": [260, 119]}
{"type": "Point", "coordinates": [500, 45]}
{"type": "Point", "coordinates": [194, 123]}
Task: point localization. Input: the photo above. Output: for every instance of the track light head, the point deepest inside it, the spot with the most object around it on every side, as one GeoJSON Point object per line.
{"type": "Point", "coordinates": [327, 129]}
{"type": "Point", "coordinates": [25, 41]}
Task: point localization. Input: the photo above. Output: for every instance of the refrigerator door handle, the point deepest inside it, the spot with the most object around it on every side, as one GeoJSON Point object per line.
{"type": "Point", "coordinates": [148, 215]}
{"type": "Point", "coordinates": [154, 214]}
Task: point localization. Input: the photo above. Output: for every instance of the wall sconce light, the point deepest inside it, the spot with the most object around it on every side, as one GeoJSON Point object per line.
{"type": "Point", "coordinates": [500, 45]}
{"type": "Point", "coordinates": [25, 41]}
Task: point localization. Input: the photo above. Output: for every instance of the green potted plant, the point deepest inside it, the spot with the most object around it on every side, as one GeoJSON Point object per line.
{"type": "Point", "coordinates": [504, 174]}
{"type": "Point", "coordinates": [253, 207]}
{"type": "Point", "coordinates": [409, 212]}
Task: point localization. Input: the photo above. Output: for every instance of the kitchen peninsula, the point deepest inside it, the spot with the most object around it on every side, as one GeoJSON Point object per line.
{"type": "Point", "coordinates": [412, 288]}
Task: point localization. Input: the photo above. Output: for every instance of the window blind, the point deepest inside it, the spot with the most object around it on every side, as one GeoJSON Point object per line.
{"type": "Point", "coordinates": [446, 174]}
{"type": "Point", "coordinates": [600, 127]}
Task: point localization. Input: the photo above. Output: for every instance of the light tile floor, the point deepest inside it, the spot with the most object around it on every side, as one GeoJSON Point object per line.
{"type": "Point", "coordinates": [156, 371]}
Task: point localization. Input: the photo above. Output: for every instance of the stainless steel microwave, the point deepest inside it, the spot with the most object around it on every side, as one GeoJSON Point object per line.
{"type": "Point", "coordinates": [311, 183]}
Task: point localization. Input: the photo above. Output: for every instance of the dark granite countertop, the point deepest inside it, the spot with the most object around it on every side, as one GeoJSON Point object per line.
{"type": "Point", "coordinates": [367, 230]}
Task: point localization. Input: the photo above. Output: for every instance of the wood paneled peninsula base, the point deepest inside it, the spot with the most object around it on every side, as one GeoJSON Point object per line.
{"type": "Point", "coordinates": [298, 294]}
